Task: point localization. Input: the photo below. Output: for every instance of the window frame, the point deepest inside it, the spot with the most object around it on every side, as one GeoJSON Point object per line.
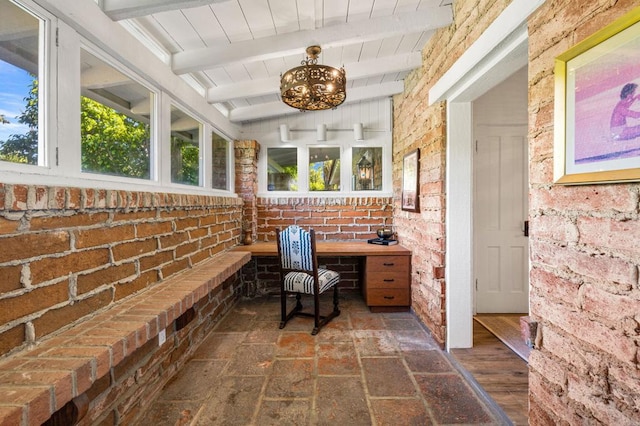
{"type": "Point", "coordinates": [384, 167]}
{"type": "Point", "coordinates": [167, 141]}
{"type": "Point", "coordinates": [309, 147]}
{"type": "Point", "coordinates": [46, 91]}
{"type": "Point", "coordinates": [208, 158]}
{"type": "Point", "coordinates": [153, 117]}
{"type": "Point", "coordinates": [59, 104]}
{"type": "Point", "coordinates": [345, 169]}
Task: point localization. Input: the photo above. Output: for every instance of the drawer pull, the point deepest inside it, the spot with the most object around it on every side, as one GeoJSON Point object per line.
{"type": "Point", "coordinates": [389, 297]}
{"type": "Point", "coordinates": [388, 280]}
{"type": "Point", "coordinates": [388, 264]}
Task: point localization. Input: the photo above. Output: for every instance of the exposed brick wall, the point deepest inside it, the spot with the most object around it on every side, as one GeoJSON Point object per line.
{"type": "Point", "coordinates": [416, 125]}
{"type": "Point", "coordinates": [246, 164]}
{"type": "Point", "coordinates": [333, 218]}
{"type": "Point", "coordinates": [121, 396]}
{"type": "Point", "coordinates": [68, 252]}
{"type": "Point", "coordinates": [584, 239]}
{"type": "Point", "coordinates": [584, 254]}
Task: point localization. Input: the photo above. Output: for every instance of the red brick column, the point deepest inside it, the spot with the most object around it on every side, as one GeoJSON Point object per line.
{"type": "Point", "coordinates": [246, 163]}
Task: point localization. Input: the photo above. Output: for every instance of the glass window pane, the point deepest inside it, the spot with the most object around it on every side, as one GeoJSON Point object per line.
{"type": "Point", "coordinates": [219, 160]}
{"type": "Point", "coordinates": [185, 148]}
{"type": "Point", "coordinates": [115, 121]}
{"type": "Point", "coordinates": [324, 169]}
{"type": "Point", "coordinates": [19, 98]}
{"type": "Point", "coordinates": [366, 169]}
{"type": "Point", "coordinates": [282, 171]}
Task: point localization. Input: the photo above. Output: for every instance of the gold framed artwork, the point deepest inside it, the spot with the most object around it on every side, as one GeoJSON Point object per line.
{"type": "Point", "coordinates": [597, 106]}
{"type": "Point", "coordinates": [410, 181]}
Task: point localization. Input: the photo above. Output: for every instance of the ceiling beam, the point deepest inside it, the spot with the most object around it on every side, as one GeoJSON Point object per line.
{"type": "Point", "coordinates": [127, 9]}
{"type": "Point", "coordinates": [354, 71]}
{"type": "Point", "coordinates": [272, 109]}
{"type": "Point", "coordinates": [296, 42]}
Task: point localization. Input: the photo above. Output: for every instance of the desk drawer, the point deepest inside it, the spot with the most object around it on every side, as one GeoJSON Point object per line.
{"type": "Point", "coordinates": [388, 297]}
{"type": "Point", "coordinates": [388, 279]}
{"type": "Point", "coordinates": [388, 263]}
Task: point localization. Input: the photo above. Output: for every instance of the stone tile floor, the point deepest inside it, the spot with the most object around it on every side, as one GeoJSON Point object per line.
{"type": "Point", "coordinates": [361, 369]}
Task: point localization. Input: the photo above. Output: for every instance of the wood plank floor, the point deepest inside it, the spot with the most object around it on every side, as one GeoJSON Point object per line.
{"type": "Point", "coordinates": [500, 372]}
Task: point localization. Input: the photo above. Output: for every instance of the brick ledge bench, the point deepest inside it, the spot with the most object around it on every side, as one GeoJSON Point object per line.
{"type": "Point", "coordinates": [36, 383]}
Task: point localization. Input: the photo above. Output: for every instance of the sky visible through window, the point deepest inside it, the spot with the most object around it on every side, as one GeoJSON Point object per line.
{"type": "Point", "coordinates": [14, 88]}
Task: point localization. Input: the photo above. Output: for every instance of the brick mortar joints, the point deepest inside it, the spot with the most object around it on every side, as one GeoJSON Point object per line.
{"type": "Point", "coordinates": [327, 201]}
{"type": "Point", "coordinates": [38, 197]}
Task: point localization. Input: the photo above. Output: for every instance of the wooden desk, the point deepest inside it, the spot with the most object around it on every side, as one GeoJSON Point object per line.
{"type": "Point", "coordinates": [333, 248]}
{"type": "Point", "coordinates": [386, 278]}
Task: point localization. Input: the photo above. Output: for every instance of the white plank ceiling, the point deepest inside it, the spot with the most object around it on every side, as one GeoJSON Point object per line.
{"type": "Point", "coordinates": [234, 51]}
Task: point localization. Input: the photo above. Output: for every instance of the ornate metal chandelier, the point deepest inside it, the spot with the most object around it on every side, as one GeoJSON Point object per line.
{"type": "Point", "coordinates": [313, 87]}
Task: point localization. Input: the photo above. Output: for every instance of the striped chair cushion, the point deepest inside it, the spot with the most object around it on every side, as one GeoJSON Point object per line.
{"type": "Point", "coordinates": [301, 282]}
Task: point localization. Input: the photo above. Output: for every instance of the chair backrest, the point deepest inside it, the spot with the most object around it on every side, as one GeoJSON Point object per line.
{"type": "Point", "coordinates": [296, 249]}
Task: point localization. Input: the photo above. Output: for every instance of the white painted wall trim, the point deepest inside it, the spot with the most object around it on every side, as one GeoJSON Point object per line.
{"type": "Point", "coordinates": [499, 52]}
{"type": "Point", "coordinates": [511, 23]}
{"type": "Point", "coordinates": [459, 220]}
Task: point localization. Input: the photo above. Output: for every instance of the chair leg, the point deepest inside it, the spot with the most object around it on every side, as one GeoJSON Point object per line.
{"type": "Point", "coordinates": [283, 308]}
{"type": "Point", "coordinates": [316, 314]}
{"type": "Point", "coordinates": [321, 321]}
{"type": "Point", "coordinates": [318, 320]}
{"type": "Point", "coordinates": [286, 316]}
{"type": "Point", "coordinates": [298, 302]}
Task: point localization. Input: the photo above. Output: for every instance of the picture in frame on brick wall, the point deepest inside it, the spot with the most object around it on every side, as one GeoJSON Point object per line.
{"type": "Point", "coordinates": [597, 106]}
{"type": "Point", "coordinates": [410, 181]}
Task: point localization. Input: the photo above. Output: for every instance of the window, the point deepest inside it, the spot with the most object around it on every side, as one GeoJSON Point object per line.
{"type": "Point", "coordinates": [324, 169]}
{"type": "Point", "coordinates": [115, 121]}
{"type": "Point", "coordinates": [282, 169]}
{"type": "Point", "coordinates": [185, 148]}
{"type": "Point", "coordinates": [219, 160]}
{"type": "Point", "coordinates": [366, 169]}
{"type": "Point", "coordinates": [323, 173]}
{"type": "Point", "coordinates": [90, 112]}
{"type": "Point", "coordinates": [21, 91]}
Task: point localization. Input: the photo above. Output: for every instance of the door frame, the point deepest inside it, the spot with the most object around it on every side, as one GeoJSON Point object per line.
{"type": "Point", "coordinates": [499, 52]}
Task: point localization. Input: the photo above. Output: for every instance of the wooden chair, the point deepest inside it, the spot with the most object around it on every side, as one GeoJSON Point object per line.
{"type": "Point", "coordinates": [299, 274]}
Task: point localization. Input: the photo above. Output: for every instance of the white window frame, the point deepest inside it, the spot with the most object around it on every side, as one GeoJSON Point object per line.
{"type": "Point", "coordinates": [153, 126]}
{"type": "Point", "coordinates": [59, 120]}
{"type": "Point", "coordinates": [208, 158]}
{"type": "Point", "coordinates": [46, 93]}
{"type": "Point", "coordinates": [386, 168]}
{"type": "Point", "coordinates": [166, 141]}
{"type": "Point", "coordinates": [345, 170]}
{"type": "Point", "coordinates": [342, 181]}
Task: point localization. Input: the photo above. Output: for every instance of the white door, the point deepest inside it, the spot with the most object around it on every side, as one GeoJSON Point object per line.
{"type": "Point", "coordinates": [501, 255]}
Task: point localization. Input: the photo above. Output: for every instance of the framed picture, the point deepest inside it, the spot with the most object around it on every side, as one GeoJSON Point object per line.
{"type": "Point", "coordinates": [410, 169]}
{"type": "Point", "coordinates": [597, 106]}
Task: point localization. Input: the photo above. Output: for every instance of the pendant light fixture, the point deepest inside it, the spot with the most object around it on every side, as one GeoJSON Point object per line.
{"type": "Point", "coordinates": [313, 87]}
